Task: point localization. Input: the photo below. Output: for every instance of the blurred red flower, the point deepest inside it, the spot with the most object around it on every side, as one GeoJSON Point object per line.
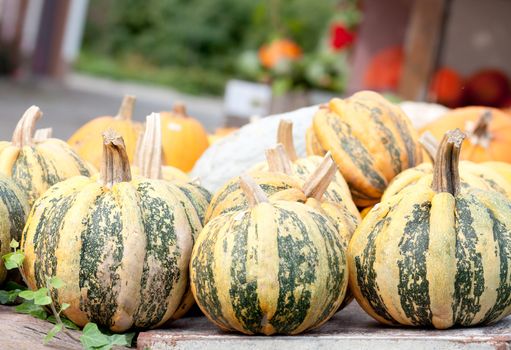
{"type": "Point", "coordinates": [340, 36]}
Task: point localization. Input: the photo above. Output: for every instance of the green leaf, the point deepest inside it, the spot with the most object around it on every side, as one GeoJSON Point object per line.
{"type": "Point", "coordinates": [42, 300]}
{"type": "Point", "coordinates": [13, 260]}
{"type": "Point", "coordinates": [27, 295]}
{"type": "Point", "coordinates": [64, 306]}
{"type": "Point", "coordinates": [52, 333]}
{"type": "Point", "coordinates": [92, 337]}
{"type": "Point", "coordinates": [8, 296]}
{"type": "Point", "coordinates": [14, 244]}
{"type": "Point", "coordinates": [67, 323]}
{"type": "Point", "coordinates": [56, 282]}
{"type": "Point", "coordinates": [13, 286]}
{"type": "Point", "coordinates": [29, 308]}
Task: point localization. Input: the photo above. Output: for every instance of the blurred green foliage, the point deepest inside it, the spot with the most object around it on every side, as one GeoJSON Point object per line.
{"type": "Point", "coordinates": [193, 45]}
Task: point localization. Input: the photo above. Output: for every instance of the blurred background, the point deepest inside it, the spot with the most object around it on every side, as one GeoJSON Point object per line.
{"type": "Point", "coordinates": [230, 60]}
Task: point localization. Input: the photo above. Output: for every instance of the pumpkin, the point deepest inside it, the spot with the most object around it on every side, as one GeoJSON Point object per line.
{"type": "Point", "coordinates": [122, 245]}
{"type": "Point", "coordinates": [278, 50]}
{"type": "Point", "coordinates": [370, 139]}
{"type": "Point", "coordinates": [35, 166]}
{"type": "Point", "coordinates": [285, 159]}
{"type": "Point", "coordinates": [87, 141]}
{"type": "Point", "coordinates": [184, 139]}
{"type": "Point", "coordinates": [220, 133]}
{"type": "Point", "coordinates": [487, 129]}
{"type": "Point", "coordinates": [479, 175]}
{"type": "Point", "coordinates": [435, 254]}
{"type": "Point", "coordinates": [13, 213]}
{"type": "Point", "coordinates": [384, 70]}
{"type": "Point", "coordinates": [272, 268]}
{"type": "Point", "coordinates": [487, 87]}
{"type": "Point", "coordinates": [148, 156]}
{"type": "Point", "coordinates": [447, 87]}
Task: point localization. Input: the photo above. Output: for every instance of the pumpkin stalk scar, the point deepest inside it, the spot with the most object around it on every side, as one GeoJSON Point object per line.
{"type": "Point", "coordinates": [149, 155]}
{"type": "Point", "coordinates": [479, 133]}
{"type": "Point", "coordinates": [24, 130]}
{"type": "Point", "coordinates": [252, 190]}
{"type": "Point", "coordinates": [115, 166]}
{"type": "Point", "coordinates": [285, 137]}
{"type": "Point", "coordinates": [278, 160]}
{"type": "Point", "coordinates": [126, 108]}
{"type": "Point", "coordinates": [446, 177]}
{"type": "Point", "coordinates": [180, 109]}
{"type": "Point", "coordinates": [321, 178]}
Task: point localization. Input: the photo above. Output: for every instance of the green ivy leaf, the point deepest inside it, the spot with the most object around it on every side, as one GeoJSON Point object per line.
{"type": "Point", "coordinates": [8, 296]}
{"type": "Point", "coordinates": [29, 308]}
{"type": "Point", "coordinates": [94, 339]}
{"type": "Point", "coordinates": [56, 282]}
{"type": "Point", "coordinates": [52, 333]}
{"type": "Point", "coordinates": [64, 306]}
{"type": "Point", "coordinates": [14, 244]}
{"type": "Point", "coordinates": [27, 295]}
{"type": "Point", "coordinates": [13, 260]}
{"type": "Point", "coordinates": [67, 323]}
{"type": "Point", "coordinates": [42, 300]}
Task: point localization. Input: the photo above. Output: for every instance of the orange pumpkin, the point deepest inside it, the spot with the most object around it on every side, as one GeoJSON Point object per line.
{"type": "Point", "coordinates": [280, 49]}
{"type": "Point", "coordinates": [447, 88]}
{"type": "Point", "coordinates": [384, 70]}
{"type": "Point", "coordinates": [184, 139]}
{"type": "Point", "coordinates": [488, 132]}
{"type": "Point", "coordinates": [88, 141]}
{"type": "Point", "coordinates": [220, 133]}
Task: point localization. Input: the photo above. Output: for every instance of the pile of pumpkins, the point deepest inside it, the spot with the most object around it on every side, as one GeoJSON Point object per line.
{"type": "Point", "coordinates": [281, 248]}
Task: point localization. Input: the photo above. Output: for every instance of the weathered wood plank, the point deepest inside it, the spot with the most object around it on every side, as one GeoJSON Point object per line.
{"type": "Point", "coordinates": [349, 329]}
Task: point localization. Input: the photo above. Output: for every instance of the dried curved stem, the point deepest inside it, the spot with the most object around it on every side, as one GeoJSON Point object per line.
{"type": "Point", "coordinates": [41, 135]}
{"type": "Point", "coordinates": [430, 144]}
{"type": "Point", "coordinates": [24, 130]}
{"type": "Point", "coordinates": [278, 160]}
{"type": "Point", "coordinates": [115, 166]}
{"type": "Point", "coordinates": [480, 132]}
{"type": "Point", "coordinates": [318, 182]}
{"type": "Point", "coordinates": [252, 190]}
{"type": "Point", "coordinates": [149, 152]}
{"type": "Point", "coordinates": [180, 109]}
{"type": "Point", "coordinates": [126, 109]}
{"type": "Point", "coordinates": [285, 137]}
{"type": "Point", "coordinates": [446, 177]}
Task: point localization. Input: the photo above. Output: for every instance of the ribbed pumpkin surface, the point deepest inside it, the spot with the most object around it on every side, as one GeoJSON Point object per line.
{"type": "Point", "coordinates": [121, 245]}
{"type": "Point", "coordinates": [36, 166]}
{"type": "Point", "coordinates": [371, 141]}
{"type": "Point", "coordinates": [14, 209]}
{"type": "Point", "coordinates": [435, 254]}
{"type": "Point", "coordinates": [277, 268]}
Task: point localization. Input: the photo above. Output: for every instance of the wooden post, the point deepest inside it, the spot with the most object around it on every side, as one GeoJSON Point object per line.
{"type": "Point", "coordinates": [421, 47]}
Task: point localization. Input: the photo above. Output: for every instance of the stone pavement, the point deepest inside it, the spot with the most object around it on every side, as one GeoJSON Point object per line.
{"type": "Point", "coordinates": [69, 104]}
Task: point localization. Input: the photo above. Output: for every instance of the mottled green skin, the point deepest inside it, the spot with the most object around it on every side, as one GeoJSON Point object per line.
{"type": "Point", "coordinates": [298, 267]}
{"type": "Point", "coordinates": [103, 260]}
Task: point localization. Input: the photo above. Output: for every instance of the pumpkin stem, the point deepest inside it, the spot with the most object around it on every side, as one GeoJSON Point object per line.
{"type": "Point", "coordinates": [278, 160]}
{"type": "Point", "coordinates": [252, 190]}
{"type": "Point", "coordinates": [285, 137]}
{"type": "Point", "coordinates": [180, 109]}
{"type": "Point", "coordinates": [480, 133]}
{"type": "Point", "coordinates": [430, 144]}
{"type": "Point", "coordinates": [126, 109]}
{"type": "Point", "coordinates": [446, 176]}
{"type": "Point", "coordinates": [24, 130]}
{"type": "Point", "coordinates": [149, 151]}
{"type": "Point", "coordinates": [115, 166]}
{"type": "Point", "coordinates": [41, 135]}
{"type": "Point", "coordinates": [318, 182]}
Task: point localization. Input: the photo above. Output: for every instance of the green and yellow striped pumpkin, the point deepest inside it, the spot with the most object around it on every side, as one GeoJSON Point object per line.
{"type": "Point", "coordinates": [36, 166]}
{"type": "Point", "coordinates": [478, 175]}
{"type": "Point", "coordinates": [273, 268]}
{"type": "Point", "coordinates": [283, 158]}
{"type": "Point", "coordinates": [14, 209]}
{"type": "Point", "coordinates": [370, 139]}
{"type": "Point", "coordinates": [435, 254]}
{"type": "Point", "coordinates": [121, 245]}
